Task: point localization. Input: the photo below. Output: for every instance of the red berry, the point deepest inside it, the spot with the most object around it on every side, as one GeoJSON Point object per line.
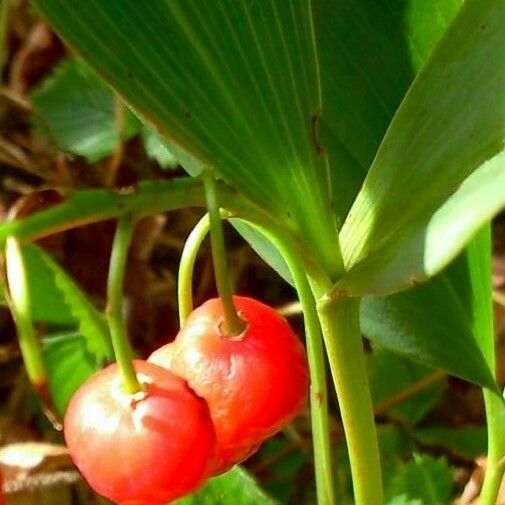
{"type": "Point", "coordinates": [148, 448]}
{"type": "Point", "coordinates": [2, 499]}
{"type": "Point", "coordinates": [254, 384]}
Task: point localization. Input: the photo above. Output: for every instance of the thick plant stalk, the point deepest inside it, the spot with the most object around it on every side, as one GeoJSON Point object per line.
{"type": "Point", "coordinates": [114, 312]}
{"type": "Point", "coordinates": [495, 464]}
{"type": "Point", "coordinates": [342, 338]}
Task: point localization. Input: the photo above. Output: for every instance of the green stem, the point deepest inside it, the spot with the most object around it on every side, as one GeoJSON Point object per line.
{"type": "Point", "coordinates": [495, 467]}
{"type": "Point", "coordinates": [120, 342]}
{"type": "Point", "coordinates": [147, 198]}
{"type": "Point", "coordinates": [318, 390]}
{"type": "Point", "coordinates": [93, 205]}
{"type": "Point", "coordinates": [233, 325]}
{"type": "Point", "coordinates": [20, 304]}
{"type": "Point", "coordinates": [187, 265]}
{"type": "Point", "coordinates": [344, 346]}
{"type": "Point", "coordinates": [315, 353]}
{"type": "Point", "coordinates": [479, 261]}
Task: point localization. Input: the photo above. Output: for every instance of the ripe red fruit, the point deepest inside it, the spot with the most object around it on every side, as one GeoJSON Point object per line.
{"type": "Point", "coordinates": [2, 499]}
{"type": "Point", "coordinates": [254, 383]}
{"type": "Point", "coordinates": [149, 448]}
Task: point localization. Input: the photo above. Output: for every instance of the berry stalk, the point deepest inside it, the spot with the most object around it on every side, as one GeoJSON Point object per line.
{"type": "Point", "coordinates": [114, 312]}
{"type": "Point", "coordinates": [233, 325]}
{"type": "Point", "coordinates": [187, 265]}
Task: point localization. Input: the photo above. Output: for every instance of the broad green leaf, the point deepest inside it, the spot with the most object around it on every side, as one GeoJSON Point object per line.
{"type": "Point", "coordinates": [464, 441]}
{"type": "Point", "coordinates": [391, 374]}
{"type": "Point", "coordinates": [91, 323]}
{"type": "Point", "coordinates": [79, 111]}
{"type": "Point", "coordinates": [428, 323]}
{"type": "Point", "coordinates": [233, 83]}
{"type": "Point", "coordinates": [235, 487]}
{"type": "Point", "coordinates": [369, 53]}
{"type": "Point", "coordinates": [449, 229]}
{"type": "Point", "coordinates": [69, 364]}
{"type": "Point", "coordinates": [424, 478]}
{"type": "Point", "coordinates": [450, 124]}
{"type": "Point", "coordinates": [157, 148]}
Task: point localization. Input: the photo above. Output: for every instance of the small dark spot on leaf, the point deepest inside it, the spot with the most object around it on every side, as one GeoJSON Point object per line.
{"type": "Point", "coordinates": [482, 27]}
{"type": "Point", "coordinates": [130, 74]}
{"type": "Point", "coordinates": [315, 140]}
{"type": "Point", "coordinates": [288, 213]}
{"type": "Point", "coordinates": [188, 114]}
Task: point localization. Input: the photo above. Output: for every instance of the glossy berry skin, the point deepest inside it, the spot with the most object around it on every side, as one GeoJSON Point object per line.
{"type": "Point", "coordinates": [254, 383]}
{"type": "Point", "coordinates": [143, 449]}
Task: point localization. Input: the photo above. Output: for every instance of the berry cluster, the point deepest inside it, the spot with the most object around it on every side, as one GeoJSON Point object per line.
{"type": "Point", "coordinates": [208, 402]}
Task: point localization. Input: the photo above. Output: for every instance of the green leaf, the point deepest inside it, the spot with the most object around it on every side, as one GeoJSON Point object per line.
{"type": "Point", "coordinates": [235, 487]}
{"type": "Point", "coordinates": [264, 248]}
{"type": "Point", "coordinates": [80, 112]}
{"type": "Point", "coordinates": [450, 228]}
{"type": "Point", "coordinates": [395, 447]}
{"type": "Point", "coordinates": [69, 363]}
{"type": "Point", "coordinates": [394, 443]}
{"type": "Point", "coordinates": [282, 472]}
{"type": "Point", "coordinates": [427, 324]}
{"type": "Point", "coordinates": [390, 374]}
{"type": "Point", "coordinates": [91, 323]}
{"type": "Point", "coordinates": [369, 53]}
{"type": "Point", "coordinates": [157, 148]}
{"type": "Point", "coordinates": [426, 479]}
{"type": "Point", "coordinates": [47, 301]}
{"type": "Point", "coordinates": [464, 441]}
{"type": "Point", "coordinates": [234, 83]}
{"type": "Point", "coordinates": [450, 124]}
